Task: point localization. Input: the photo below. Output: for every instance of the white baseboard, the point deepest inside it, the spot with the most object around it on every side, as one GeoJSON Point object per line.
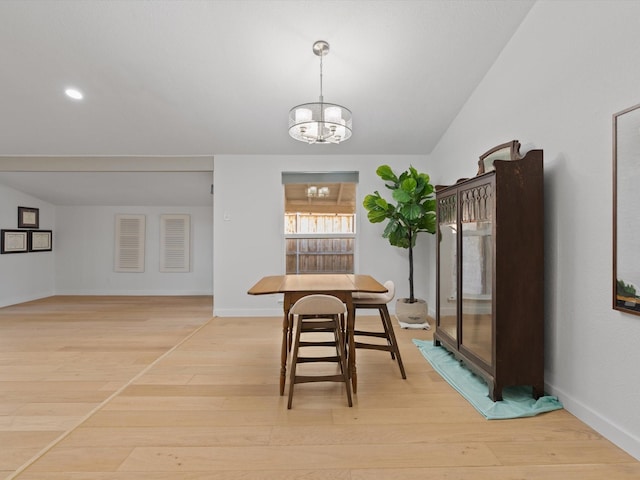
{"type": "Point", "coordinates": [150, 293]}
{"type": "Point", "coordinates": [27, 298]}
{"type": "Point", "coordinates": [614, 433]}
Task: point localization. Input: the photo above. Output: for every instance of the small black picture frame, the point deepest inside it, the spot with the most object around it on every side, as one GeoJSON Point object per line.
{"type": "Point", "coordinates": [40, 240]}
{"type": "Point", "coordinates": [28, 217]}
{"type": "Point", "coordinates": [14, 241]}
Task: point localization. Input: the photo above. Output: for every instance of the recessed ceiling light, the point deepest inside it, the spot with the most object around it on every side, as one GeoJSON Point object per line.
{"type": "Point", "coordinates": [74, 93]}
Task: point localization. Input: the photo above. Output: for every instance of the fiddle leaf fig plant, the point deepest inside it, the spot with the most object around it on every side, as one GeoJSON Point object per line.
{"type": "Point", "coordinates": [414, 210]}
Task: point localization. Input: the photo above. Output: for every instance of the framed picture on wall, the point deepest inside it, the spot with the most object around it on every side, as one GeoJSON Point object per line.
{"type": "Point", "coordinates": [626, 197]}
{"type": "Point", "coordinates": [14, 241]}
{"type": "Point", "coordinates": [40, 240]}
{"type": "Point", "coordinates": [28, 217]}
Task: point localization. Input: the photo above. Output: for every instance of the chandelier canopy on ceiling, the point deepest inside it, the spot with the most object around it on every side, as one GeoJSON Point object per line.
{"type": "Point", "coordinates": [320, 122]}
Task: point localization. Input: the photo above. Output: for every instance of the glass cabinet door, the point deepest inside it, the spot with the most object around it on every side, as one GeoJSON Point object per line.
{"type": "Point", "coordinates": [447, 270]}
{"type": "Point", "coordinates": [476, 210]}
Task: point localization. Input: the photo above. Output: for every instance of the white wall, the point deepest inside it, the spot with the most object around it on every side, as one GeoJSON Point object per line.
{"type": "Point", "coordinates": [569, 67]}
{"type": "Point", "coordinates": [249, 244]}
{"type": "Point", "coordinates": [25, 276]}
{"type": "Point", "coordinates": [85, 251]}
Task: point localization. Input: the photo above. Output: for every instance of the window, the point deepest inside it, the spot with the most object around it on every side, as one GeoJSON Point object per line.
{"type": "Point", "coordinates": [319, 222]}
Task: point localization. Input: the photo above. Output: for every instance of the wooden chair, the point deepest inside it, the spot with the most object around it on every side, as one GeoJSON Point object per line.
{"type": "Point", "coordinates": [379, 302]}
{"type": "Point", "coordinates": [319, 314]}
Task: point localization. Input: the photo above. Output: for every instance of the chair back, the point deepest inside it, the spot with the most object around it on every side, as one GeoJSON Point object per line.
{"type": "Point", "coordinates": [377, 298]}
{"type": "Point", "coordinates": [318, 304]}
{"type": "Point", "coordinates": [391, 292]}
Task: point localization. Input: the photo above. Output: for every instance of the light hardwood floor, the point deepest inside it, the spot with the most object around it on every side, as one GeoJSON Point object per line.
{"type": "Point", "coordinates": [123, 388]}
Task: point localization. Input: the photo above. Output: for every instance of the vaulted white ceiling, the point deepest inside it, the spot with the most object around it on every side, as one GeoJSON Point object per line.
{"type": "Point", "coordinates": [219, 76]}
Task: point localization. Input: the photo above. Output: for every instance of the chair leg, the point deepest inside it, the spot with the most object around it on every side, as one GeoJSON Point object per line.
{"type": "Point", "coordinates": [337, 337]}
{"type": "Point", "coordinates": [345, 336]}
{"type": "Point", "coordinates": [294, 361]}
{"type": "Point", "coordinates": [386, 332]}
{"type": "Point", "coordinates": [343, 360]}
{"type": "Point", "coordinates": [388, 326]}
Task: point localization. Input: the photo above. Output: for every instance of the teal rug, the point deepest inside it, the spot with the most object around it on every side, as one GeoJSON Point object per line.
{"type": "Point", "coordinates": [516, 401]}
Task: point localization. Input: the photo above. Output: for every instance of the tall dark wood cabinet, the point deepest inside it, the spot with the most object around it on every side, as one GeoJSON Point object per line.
{"type": "Point", "coordinates": [490, 275]}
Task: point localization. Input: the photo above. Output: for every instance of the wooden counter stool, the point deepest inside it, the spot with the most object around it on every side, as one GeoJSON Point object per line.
{"type": "Point", "coordinates": [379, 302]}
{"type": "Point", "coordinates": [319, 314]}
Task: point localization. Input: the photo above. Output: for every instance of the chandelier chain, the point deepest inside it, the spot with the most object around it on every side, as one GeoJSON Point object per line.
{"type": "Point", "coordinates": [321, 97]}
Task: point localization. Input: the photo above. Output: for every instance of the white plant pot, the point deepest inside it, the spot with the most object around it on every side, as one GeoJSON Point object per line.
{"type": "Point", "coordinates": [416, 312]}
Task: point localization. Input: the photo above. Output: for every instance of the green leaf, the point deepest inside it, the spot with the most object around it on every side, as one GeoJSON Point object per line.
{"type": "Point", "coordinates": [411, 211]}
{"type": "Point", "coordinates": [399, 237]}
{"type": "Point", "coordinates": [430, 206]}
{"type": "Point", "coordinates": [385, 173]}
{"type": "Point", "coordinates": [431, 224]}
{"type": "Point", "coordinates": [401, 196]}
{"type": "Point", "coordinates": [428, 223]}
{"type": "Point", "coordinates": [382, 203]}
{"type": "Point", "coordinates": [370, 201]}
{"type": "Point", "coordinates": [428, 189]}
{"type": "Point", "coordinates": [409, 185]}
{"type": "Point", "coordinates": [391, 227]}
{"type": "Point", "coordinates": [377, 216]}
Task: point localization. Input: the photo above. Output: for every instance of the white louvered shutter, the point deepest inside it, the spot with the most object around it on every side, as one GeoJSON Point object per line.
{"type": "Point", "coordinates": [175, 242]}
{"type": "Point", "coordinates": [129, 248]}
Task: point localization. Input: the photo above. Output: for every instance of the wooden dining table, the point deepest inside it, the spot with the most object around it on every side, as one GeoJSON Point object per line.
{"type": "Point", "coordinates": [295, 286]}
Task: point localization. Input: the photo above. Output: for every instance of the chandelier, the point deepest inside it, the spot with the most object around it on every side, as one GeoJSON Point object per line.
{"type": "Point", "coordinates": [319, 192]}
{"type": "Point", "coordinates": [320, 122]}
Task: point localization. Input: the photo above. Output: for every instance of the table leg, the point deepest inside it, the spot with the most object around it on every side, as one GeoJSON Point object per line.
{"type": "Point", "coordinates": [351, 356]}
{"type": "Point", "coordinates": [285, 342]}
